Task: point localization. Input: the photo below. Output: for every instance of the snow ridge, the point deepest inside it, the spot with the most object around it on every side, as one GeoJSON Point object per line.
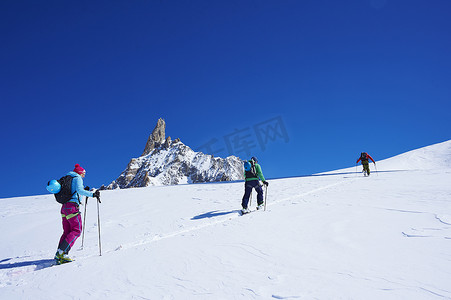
{"type": "Point", "coordinates": [426, 158]}
{"type": "Point", "coordinates": [167, 162]}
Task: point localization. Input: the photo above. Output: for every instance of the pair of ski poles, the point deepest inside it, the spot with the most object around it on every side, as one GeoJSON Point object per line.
{"type": "Point", "coordinates": [374, 167]}
{"type": "Point", "coordinates": [356, 172]}
{"type": "Point", "coordinates": [98, 222]}
{"type": "Point", "coordinates": [266, 196]}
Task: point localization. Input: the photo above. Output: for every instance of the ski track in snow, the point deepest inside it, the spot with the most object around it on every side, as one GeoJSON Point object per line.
{"type": "Point", "coordinates": [45, 263]}
{"type": "Point", "coordinates": [20, 265]}
{"type": "Point", "coordinates": [440, 219]}
{"type": "Point", "coordinates": [285, 297]}
{"type": "Point", "coordinates": [159, 237]}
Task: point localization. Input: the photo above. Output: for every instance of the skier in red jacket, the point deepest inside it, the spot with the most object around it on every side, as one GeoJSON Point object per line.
{"type": "Point", "coordinates": [364, 158]}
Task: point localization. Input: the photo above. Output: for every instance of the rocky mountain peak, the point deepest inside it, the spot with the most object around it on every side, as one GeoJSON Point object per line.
{"type": "Point", "coordinates": [168, 162]}
{"type": "Point", "coordinates": [156, 138]}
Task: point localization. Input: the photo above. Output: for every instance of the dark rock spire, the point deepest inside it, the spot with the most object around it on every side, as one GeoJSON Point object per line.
{"type": "Point", "coordinates": [156, 138]}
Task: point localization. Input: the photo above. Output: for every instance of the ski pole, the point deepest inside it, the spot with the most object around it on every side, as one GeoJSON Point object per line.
{"type": "Point", "coordinates": [98, 222]}
{"type": "Point", "coordinates": [84, 223]}
{"type": "Point", "coordinates": [266, 194]}
{"type": "Point", "coordinates": [376, 169]}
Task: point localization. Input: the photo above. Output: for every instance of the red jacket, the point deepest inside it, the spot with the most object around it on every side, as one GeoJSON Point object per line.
{"type": "Point", "coordinates": [367, 156]}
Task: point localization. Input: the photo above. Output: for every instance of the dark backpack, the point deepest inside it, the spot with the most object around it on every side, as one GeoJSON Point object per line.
{"type": "Point", "coordinates": [65, 194]}
{"type": "Point", "coordinates": [249, 168]}
{"type": "Point", "coordinates": [364, 156]}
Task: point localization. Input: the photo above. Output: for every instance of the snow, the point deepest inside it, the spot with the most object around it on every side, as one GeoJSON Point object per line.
{"type": "Point", "coordinates": [336, 235]}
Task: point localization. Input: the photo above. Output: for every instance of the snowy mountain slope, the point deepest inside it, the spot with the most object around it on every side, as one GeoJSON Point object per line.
{"type": "Point", "coordinates": [437, 156]}
{"type": "Point", "coordinates": [330, 236]}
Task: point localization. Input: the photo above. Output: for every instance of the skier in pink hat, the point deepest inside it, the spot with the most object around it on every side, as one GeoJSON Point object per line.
{"type": "Point", "coordinates": [72, 224]}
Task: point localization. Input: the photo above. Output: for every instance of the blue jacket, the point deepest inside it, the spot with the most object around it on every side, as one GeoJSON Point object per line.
{"type": "Point", "coordinates": [77, 188]}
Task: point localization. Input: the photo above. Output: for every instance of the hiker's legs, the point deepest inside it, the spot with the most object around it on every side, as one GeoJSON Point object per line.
{"type": "Point", "coordinates": [72, 226]}
{"type": "Point", "coordinates": [247, 194]}
{"type": "Point", "coordinates": [366, 167]}
{"type": "Point", "coordinates": [259, 190]}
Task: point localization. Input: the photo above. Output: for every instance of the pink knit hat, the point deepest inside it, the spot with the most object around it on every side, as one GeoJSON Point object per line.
{"type": "Point", "coordinates": [79, 170]}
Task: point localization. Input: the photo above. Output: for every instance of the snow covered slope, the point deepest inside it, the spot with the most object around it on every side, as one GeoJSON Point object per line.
{"type": "Point", "coordinates": [328, 236]}
{"type": "Point", "coordinates": [437, 156]}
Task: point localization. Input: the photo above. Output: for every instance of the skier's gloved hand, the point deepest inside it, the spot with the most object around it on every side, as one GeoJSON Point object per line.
{"type": "Point", "coordinates": [87, 188]}
{"type": "Point", "coordinates": [266, 183]}
{"type": "Point", "coordinates": [96, 194]}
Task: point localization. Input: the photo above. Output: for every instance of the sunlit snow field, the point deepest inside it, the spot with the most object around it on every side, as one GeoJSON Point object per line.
{"type": "Point", "coordinates": [336, 235]}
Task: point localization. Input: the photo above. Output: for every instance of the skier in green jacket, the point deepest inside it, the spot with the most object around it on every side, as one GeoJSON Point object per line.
{"type": "Point", "coordinates": [252, 175]}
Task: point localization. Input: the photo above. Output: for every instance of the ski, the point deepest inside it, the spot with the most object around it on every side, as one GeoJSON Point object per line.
{"type": "Point", "coordinates": [248, 212]}
{"type": "Point", "coordinates": [242, 213]}
{"type": "Point", "coordinates": [57, 263]}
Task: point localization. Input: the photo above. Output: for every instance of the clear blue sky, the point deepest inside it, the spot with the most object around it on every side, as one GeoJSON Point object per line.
{"type": "Point", "coordinates": [85, 82]}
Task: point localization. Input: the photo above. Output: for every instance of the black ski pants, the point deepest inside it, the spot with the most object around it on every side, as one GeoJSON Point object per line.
{"type": "Point", "coordinates": [248, 186]}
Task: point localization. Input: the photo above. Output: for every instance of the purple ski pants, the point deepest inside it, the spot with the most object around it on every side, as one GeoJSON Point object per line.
{"type": "Point", "coordinates": [71, 226]}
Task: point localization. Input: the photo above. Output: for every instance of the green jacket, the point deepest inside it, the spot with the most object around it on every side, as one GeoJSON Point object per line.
{"type": "Point", "coordinates": [260, 176]}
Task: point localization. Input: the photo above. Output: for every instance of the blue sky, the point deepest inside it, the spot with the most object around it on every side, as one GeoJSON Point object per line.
{"type": "Point", "coordinates": [85, 82]}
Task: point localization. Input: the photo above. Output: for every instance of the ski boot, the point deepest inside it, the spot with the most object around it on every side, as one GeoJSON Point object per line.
{"type": "Point", "coordinates": [245, 211]}
{"type": "Point", "coordinates": [61, 257]}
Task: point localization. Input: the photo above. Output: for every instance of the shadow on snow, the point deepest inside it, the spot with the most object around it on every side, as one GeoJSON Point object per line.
{"type": "Point", "coordinates": [40, 264]}
{"type": "Point", "coordinates": [213, 214]}
{"type": "Point", "coordinates": [338, 174]}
